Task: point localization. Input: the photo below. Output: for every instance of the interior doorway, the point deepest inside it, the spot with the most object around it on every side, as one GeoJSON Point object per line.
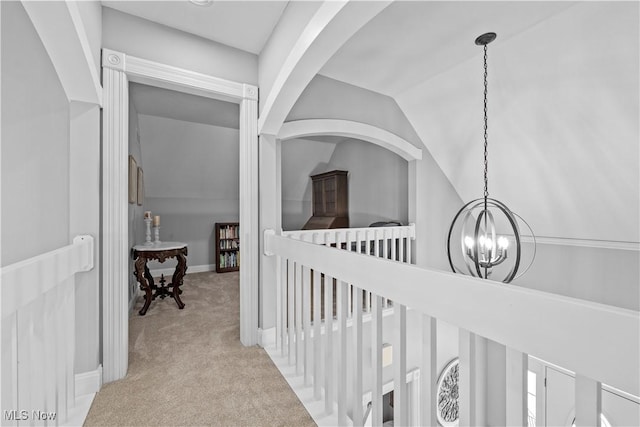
{"type": "Point", "coordinates": [118, 70]}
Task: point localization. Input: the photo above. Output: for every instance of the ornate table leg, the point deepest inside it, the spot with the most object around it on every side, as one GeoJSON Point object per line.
{"type": "Point", "coordinates": [178, 275]}
{"type": "Point", "coordinates": [141, 272]}
{"type": "Point", "coordinates": [149, 277]}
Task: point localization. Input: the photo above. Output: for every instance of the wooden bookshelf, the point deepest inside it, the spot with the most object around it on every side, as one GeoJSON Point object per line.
{"type": "Point", "coordinates": [227, 247]}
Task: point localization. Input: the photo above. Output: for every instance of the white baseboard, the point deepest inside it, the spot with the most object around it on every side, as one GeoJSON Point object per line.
{"type": "Point", "coordinates": [88, 382]}
{"type": "Point", "coordinates": [190, 269]}
{"type": "Point", "coordinates": [266, 337]}
{"type": "Point", "coordinates": [78, 413]}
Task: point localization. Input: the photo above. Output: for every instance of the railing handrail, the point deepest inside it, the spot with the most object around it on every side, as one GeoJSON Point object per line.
{"type": "Point", "coordinates": [408, 231]}
{"type": "Point", "coordinates": [21, 281]}
{"type": "Point", "coordinates": [594, 340]}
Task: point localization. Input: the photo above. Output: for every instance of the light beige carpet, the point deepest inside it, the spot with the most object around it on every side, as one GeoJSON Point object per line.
{"type": "Point", "coordinates": [188, 368]}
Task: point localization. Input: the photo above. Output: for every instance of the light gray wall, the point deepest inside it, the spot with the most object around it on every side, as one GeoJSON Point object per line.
{"type": "Point", "coordinates": [377, 182]}
{"type": "Point", "coordinates": [50, 165]}
{"type": "Point", "coordinates": [300, 159]}
{"type": "Point", "coordinates": [145, 39]}
{"type": "Point", "coordinates": [606, 276]}
{"type": "Point", "coordinates": [35, 143]}
{"type": "Point", "coordinates": [191, 181]}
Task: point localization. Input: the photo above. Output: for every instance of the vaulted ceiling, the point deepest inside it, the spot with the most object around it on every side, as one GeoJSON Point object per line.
{"type": "Point", "coordinates": [563, 96]}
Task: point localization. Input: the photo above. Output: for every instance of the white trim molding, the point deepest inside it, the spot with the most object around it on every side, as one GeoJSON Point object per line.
{"type": "Point", "coordinates": [585, 243]}
{"type": "Point", "coordinates": [118, 70]}
{"type": "Point", "coordinates": [351, 129]}
{"type": "Point", "coordinates": [88, 382]}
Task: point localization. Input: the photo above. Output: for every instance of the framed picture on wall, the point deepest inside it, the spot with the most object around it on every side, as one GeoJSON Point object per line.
{"type": "Point", "coordinates": [133, 180]}
{"type": "Point", "coordinates": [140, 187]}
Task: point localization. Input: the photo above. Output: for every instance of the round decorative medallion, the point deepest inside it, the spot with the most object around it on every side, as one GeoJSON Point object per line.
{"type": "Point", "coordinates": [114, 59]}
{"type": "Point", "coordinates": [447, 395]}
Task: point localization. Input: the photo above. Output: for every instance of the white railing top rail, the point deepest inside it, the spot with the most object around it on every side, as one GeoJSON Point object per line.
{"type": "Point", "coordinates": [329, 236]}
{"type": "Point", "coordinates": [595, 340]}
{"type": "Point", "coordinates": [26, 280]}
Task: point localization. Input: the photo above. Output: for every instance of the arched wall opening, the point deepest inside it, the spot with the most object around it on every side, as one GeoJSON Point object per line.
{"type": "Point", "coordinates": [377, 162]}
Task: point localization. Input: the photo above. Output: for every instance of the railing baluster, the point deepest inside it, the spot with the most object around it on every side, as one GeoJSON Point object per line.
{"type": "Point", "coordinates": [283, 306]}
{"type": "Point", "coordinates": [429, 374]}
{"type": "Point", "coordinates": [394, 245]}
{"type": "Point", "coordinates": [386, 255]}
{"type": "Point", "coordinates": [317, 323]}
{"type": "Point", "coordinates": [467, 377]}
{"type": "Point", "coordinates": [349, 248]}
{"type": "Point", "coordinates": [385, 245]}
{"type": "Point", "coordinates": [516, 388]}
{"type": "Point", "coordinates": [328, 331]}
{"type": "Point", "coordinates": [367, 251]}
{"type": "Point", "coordinates": [376, 361]}
{"type": "Point", "coordinates": [306, 323]}
{"type": "Point", "coordinates": [409, 244]}
{"type": "Point", "coordinates": [400, 406]}
{"type": "Point", "coordinates": [291, 268]}
{"type": "Point", "coordinates": [298, 321]}
{"type": "Point", "coordinates": [342, 291]}
{"type": "Point", "coordinates": [588, 394]}
{"type": "Point", "coordinates": [279, 303]}
{"type": "Point", "coordinates": [357, 357]}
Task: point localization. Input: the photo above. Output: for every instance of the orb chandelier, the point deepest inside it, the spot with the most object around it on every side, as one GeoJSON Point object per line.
{"type": "Point", "coordinates": [484, 238]}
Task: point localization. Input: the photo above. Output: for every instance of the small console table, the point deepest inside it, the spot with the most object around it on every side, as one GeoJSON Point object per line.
{"type": "Point", "coordinates": [159, 251]}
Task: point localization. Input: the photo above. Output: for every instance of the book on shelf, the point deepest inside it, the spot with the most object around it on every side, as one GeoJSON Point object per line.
{"type": "Point", "coordinates": [227, 246]}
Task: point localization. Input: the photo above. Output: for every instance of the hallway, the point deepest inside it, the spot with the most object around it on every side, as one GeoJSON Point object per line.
{"type": "Point", "coordinates": [187, 367]}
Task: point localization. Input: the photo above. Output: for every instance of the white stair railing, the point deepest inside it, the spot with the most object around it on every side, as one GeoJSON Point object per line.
{"type": "Point", "coordinates": [38, 334]}
{"type": "Point", "coordinates": [568, 332]}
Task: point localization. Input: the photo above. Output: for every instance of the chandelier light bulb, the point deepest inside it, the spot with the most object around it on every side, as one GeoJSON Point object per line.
{"type": "Point", "coordinates": [468, 241]}
{"type": "Point", "coordinates": [503, 242]}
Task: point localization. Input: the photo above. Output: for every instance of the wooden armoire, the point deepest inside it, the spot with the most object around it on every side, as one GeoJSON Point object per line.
{"type": "Point", "coordinates": [330, 201]}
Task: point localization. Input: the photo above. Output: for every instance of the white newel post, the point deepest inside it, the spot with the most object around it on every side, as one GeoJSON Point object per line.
{"type": "Point", "coordinates": [270, 218]}
{"type": "Point", "coordinates": [115, 216]}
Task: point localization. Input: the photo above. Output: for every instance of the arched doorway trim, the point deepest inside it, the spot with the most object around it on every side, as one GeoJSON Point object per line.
{"type": "Point", "coordinates": [351, 129]}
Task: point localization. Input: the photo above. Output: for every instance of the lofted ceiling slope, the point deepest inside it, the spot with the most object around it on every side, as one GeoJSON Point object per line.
{"type": "Point", "coordinates": [563, 96]}
{"type": "Point", "coordinates": [563, 103]}
{"type": "Point", "coordinates": [245, 25]}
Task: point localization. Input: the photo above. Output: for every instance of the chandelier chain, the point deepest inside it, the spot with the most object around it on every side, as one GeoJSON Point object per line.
{"type": "Point", "coordinates": [486, 159]}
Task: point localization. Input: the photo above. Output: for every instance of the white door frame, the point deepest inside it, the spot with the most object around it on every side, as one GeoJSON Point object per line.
{"type": "Point", "coordinates": [118, 70]}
